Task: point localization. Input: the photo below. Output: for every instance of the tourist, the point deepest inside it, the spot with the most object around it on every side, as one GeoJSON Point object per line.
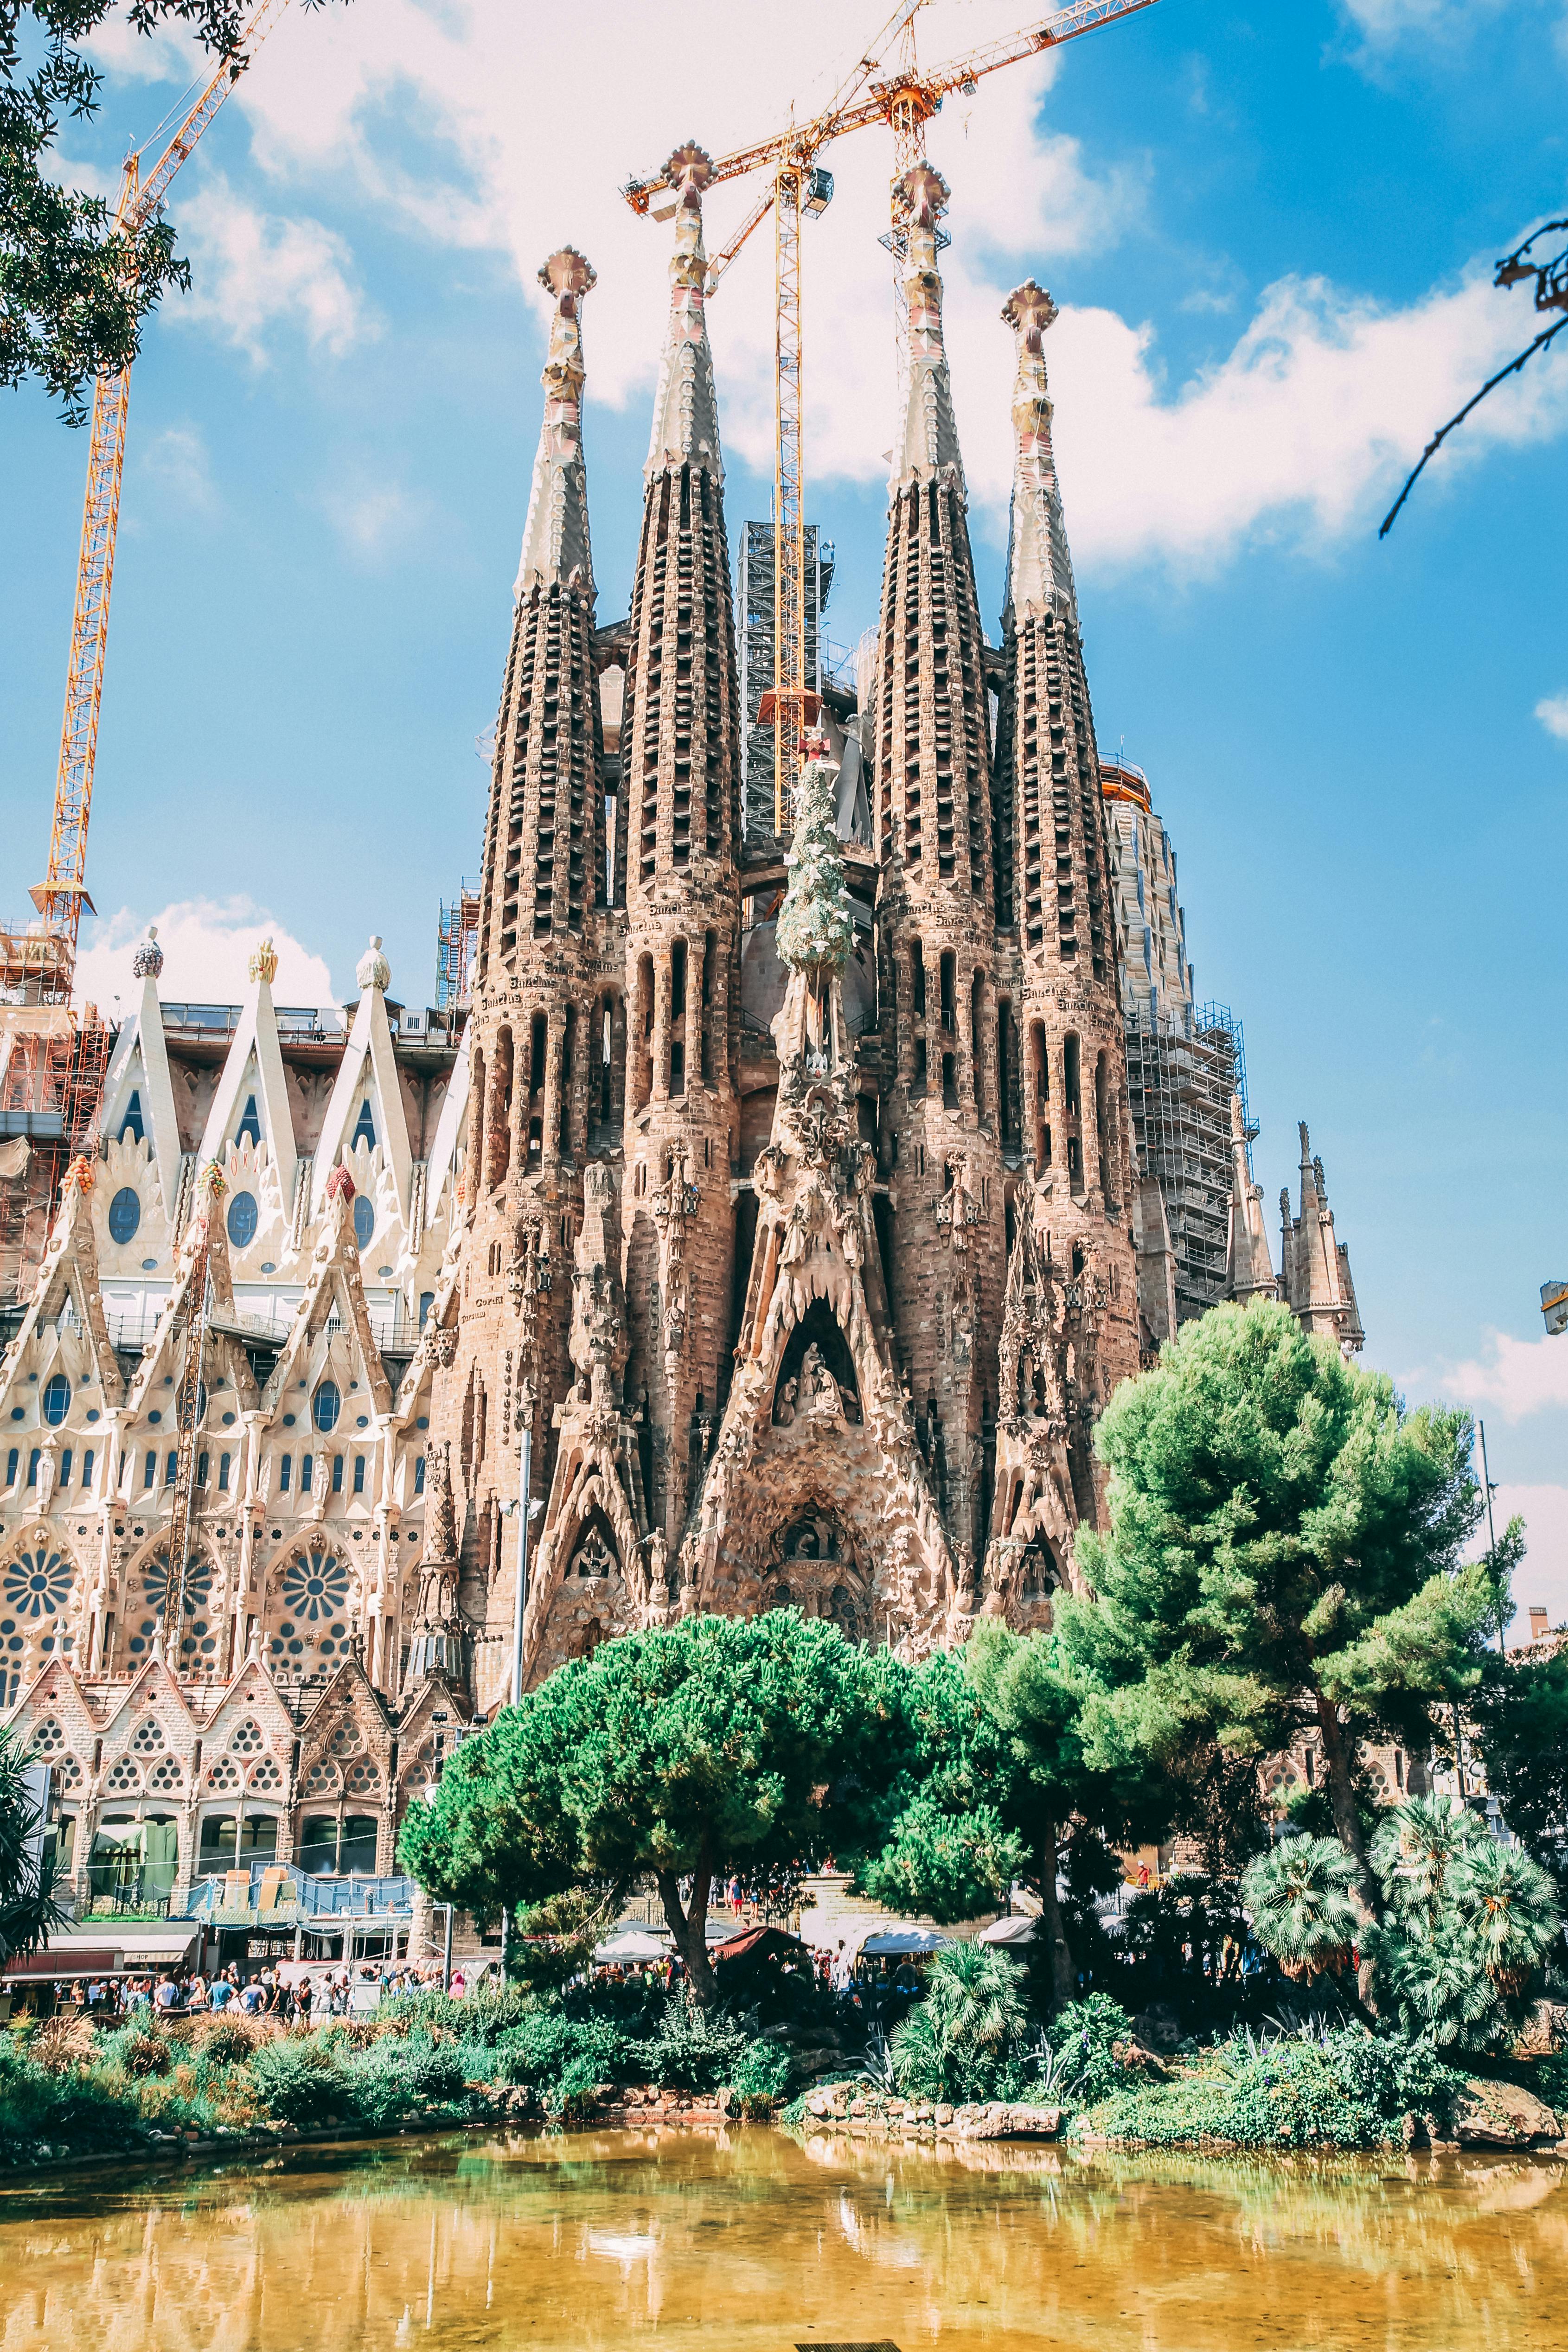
{"type": "Point", "coordinates": [166, 2000]}
{"type": "Point", "coordinates": [219, 1996]}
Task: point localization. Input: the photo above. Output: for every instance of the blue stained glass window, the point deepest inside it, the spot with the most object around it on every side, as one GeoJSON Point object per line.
{"type": "Point", "coordinates": [130, 1125]}
{"type": "Point", "coordinates": [33, 1460]}
{"type": "Point", "coordinates": [325, 1407]}
{"type": "Point", "coordinates": [359, 1474]}
{"type": "Point", "coordinates": [307, 1464]}
{"type": "Point", "coordinates": [243, 1220]}
{"type": "Point", "coordinates": [419, 1475]}
{"type": "Point", "coordinates": [66, 1467]}
{"type": "Point", "coordinates": [250, 1128]}
{"type": "Point", "coordinates": [364, 1125]}
{"type": "Point", "coordinates": [285, 1470]}
{"type": "Point", "coordinates": [223, 1474]}
{"type": "Point", "coordinates": [87, 1467]}
{"type": "Point", "coordinates": [364, 1219]}
{"type": "Point", "coordinates": [124, 1215]}
{"type": "Point", "coordinates": [56, 1399]}
{"type": "Point", "coordinates": [13, 1463]}
{"type": "Point", "coordinates": [150, 1470]}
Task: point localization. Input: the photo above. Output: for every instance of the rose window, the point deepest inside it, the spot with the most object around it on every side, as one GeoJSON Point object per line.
{"type": "Point", "coordinates": [155, 1584]}
{"type": "Point", "coordinates": [363, 1780]}
{"type": "Point", "coordinates": [166, 1774]}
{"type": "Point", "coordinates": [49, 1738]}
{"type": "Point", "coordinates": [224, 1775]}
{"type": "Point", "coordinates": [148, 1736]}
{"type": "Point", "coordinates": [38, 1584]}
{"type": "Point", "coordinates": [125, 1775]}
{"type": "Point", "coordinates": [266, 1775]}
{"type": "Point", "coordinates": [322, 1779]}
{"type": "Point", "coordinates": [316, 1587]}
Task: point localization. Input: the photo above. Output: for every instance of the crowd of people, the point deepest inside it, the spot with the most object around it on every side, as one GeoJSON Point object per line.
{"type": "Point", "coordinates": [296, 1993]}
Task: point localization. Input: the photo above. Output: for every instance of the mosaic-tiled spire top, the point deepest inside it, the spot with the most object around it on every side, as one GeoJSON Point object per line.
{"type": "Point", "coordinates": [555, 536]}
{"type": "Point", "coordinates": [1040, 567]}
{"type": "Point", "coordinates": [686, 407]}
{"type": "Point", "coordinates": [928, 443]}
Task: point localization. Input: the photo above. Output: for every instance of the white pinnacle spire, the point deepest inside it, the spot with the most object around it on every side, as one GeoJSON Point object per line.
{"type": "Point", "coordinates": [686, 407]}
{"type": "Point", "coordinates": [1039, 569]}
{"type": "Point", "coordinates": [555, 536]}
{"type": "Point", "coordinates": [928, 440]}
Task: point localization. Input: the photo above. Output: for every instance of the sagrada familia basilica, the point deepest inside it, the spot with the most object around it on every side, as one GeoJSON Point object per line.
{"type": "Point", "coordinates": [780, 1204]}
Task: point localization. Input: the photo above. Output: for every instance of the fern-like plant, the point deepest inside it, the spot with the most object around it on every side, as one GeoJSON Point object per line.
{"type": "Point", "coordinates": [1508, 1906]}
{"type": "Point", "coordinates": [1416, 1850]}
{"type": "Point", "coordinates": [953, 2042]}
{"type": "Point", "coordinates": [1299, 1897]}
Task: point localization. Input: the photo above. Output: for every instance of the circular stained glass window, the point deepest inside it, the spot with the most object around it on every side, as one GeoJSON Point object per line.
{"type": "Point", "coordinates": [38, 1584]}
{"type": "Point", "coordinates": [325, 1407]}
{"type": "Point", "coordinates": [124, 1214]}
{"type": "Point", "coordinates": [243, 1219]}
{"type": "Point", "coordinates": [198, 1583]}
{"type": "Point", "coordinates": [315, 1586]}
{"type": "Point", "coordinates": [364, 1219]}
{"type": "Point", "coordinates": [56, 1399]}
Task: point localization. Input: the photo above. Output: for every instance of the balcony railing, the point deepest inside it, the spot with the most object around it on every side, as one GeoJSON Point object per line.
{"type": "Point", "coordinates": [295, 1896]}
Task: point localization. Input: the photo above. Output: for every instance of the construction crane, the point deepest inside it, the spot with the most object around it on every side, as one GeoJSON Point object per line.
{"type": "Point", "coordinates": [904, 99]}
{"type": "Point", "coordinates": [61, 895]}
{"type": "Point", "coordinates": [190, 1403]}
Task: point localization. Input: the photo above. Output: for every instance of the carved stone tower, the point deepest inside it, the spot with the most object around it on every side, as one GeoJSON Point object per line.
{"type": "Point", "coordinates": [1053, 884]}
{"type": "Point", "coordinates": [531, 1032]}
{"type": "Point", "coordinates": [931, 793]}
{"type": "Point", "coordinates": [682, 768]}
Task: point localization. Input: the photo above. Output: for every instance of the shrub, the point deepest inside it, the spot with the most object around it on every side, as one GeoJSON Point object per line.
{"type": "Point", "coordinates": [762, 2071]}
{"type": "Point", "coordinates": [59, 2112]}
{"type": "Point", "coordinates": [1083, 2038]}
{"type": "Point", "coordinates": [691, 2049]}
{"type": "Point", "coordinates": [958, 2042]}
{"type": "Point", "coordinates": [138, 2052]}
{"type": "Point", "coordinates": [396, 2078]}
{"type": "Point", "coordinates": [297, 2084]}
{"type": "Point", "coordinates": [231, 2041]}
{"type": "Point", "coordinates": [1345, 2088]}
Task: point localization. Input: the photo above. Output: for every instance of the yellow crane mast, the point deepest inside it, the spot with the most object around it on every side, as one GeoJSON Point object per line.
{"type": "Point", "coordinates": [904, 100]}
{"type": "Point", "coordinates": [60, 896]}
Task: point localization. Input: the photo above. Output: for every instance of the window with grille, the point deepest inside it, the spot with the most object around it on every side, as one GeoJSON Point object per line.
{"type": "Point", "coordinates": [322, 1779]}
{"type": "Point", "coordinates": [166, 1774]}
{"type": "Point", "coordinates": [266, 1774]}
{"type": "Point", "coordinates": [49, 1738]}
{"type": "Point", "coordinates": [246, 1739]}
{"type": "Point", "coordinates": [148, 1736]}
{"type": "Point", "coordinates": [224, 1775]}
{"type": "Point", "coordinates": [363, 1779]}
{"type": "Point", "coordinates": [125, 1775]}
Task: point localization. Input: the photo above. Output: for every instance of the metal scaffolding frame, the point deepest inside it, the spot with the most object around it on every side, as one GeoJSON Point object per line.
{"type": "Point", "coordinates": [1180, 1082]}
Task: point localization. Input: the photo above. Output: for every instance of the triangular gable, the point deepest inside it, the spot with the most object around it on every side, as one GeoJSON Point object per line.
{"type": "Point", "coordinates": [153, 1673]}
{"type": "Point", "coordinates": [140, 1065]}
{"type": "Point", "coordinates": [55, 1691]}
{"type": "Point", "coordinates": [250, 1691]}
{"type": "Point", "coordinates": [254, 1065]}
{"type": "Point", "coordinates": [178, 1308]}
{"type": "Point", "coordinates": [69, 1270]}
{"type": "Point", "coordinates": [451, 1128]}
{"type": "Point", "coordinates": [334, 1280]}
{"type": "Point", "coordinates": [347, 1684]}
{"type": "Point", "coordinates": [369, 1048]}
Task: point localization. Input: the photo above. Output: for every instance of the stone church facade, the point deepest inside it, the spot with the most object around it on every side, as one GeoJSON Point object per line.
{"type": "Point", "coordinates": [778, 1209]}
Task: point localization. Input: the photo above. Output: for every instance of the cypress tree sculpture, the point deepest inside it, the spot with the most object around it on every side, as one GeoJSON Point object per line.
{"type": "Point", "coordinates": [815, 932]}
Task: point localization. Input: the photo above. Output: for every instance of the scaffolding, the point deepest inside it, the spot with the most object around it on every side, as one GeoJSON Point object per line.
{"type": "Point", "coordinates": [52, 1067]}
{"type": "Point", "coordinates": [756, 606]}
{"type": "Point", "coordinates": [455, 933]}
{"type": "Point", "coordinates": [1180, 1079]}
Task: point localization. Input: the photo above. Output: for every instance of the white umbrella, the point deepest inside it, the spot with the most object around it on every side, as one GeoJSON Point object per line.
{"type": "Point", "coordinates": [892, 1941]}
{"type": "Point", "coordinates": [1016, 1930]}
{"type": "Point", "coordinates": [636, 1944]}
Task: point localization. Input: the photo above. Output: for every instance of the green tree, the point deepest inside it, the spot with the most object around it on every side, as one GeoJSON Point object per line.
{"type": "Point", "coordinates": [74, 290]}
{"type": "Point", "coordinates": [954, 2044]}
{"type": "Point", "coordinates": [714, 1746]}
{"type": "Point", "coordinates": [27, 1906]}
{"type": "Point", "coordinates": [1300, 1896]}
{"type": "Point", "coordinates": [1283, 1555]}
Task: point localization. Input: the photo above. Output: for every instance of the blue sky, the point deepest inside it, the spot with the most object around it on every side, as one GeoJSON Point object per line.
{"type": "Point", "coordinates": [1268, 228]}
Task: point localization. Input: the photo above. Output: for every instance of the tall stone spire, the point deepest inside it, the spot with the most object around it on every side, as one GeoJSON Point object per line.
{"type": "Point", "coordinates": [1039, 569]}
{"type": "Point", "coordinates": [1065, 1051]}
{"type": "Point", "coordinates": [680, 755]}
{"type": "Point", "coordinates": [928, 443]}
{"type": "Point", "coordinates": [1315, 1266]}
{"type": "Point", "coordinates": [555, 536]}
{"type": "Point", "coordinates": [686, 405]}
{"type": "Point", "coordinates": [538, 1012]}
{"type": "Point", "coordinates": [1250, 1268]}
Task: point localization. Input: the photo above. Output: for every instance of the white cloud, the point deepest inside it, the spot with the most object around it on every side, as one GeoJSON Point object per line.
{"type": "Point", "coordinates": [371, 517]}
{"type": "Point", "coordinates": [207, 945]}
{"type": "Point", "coordinates": [178, 462]}
{"type": "Point", "coordinates": [1542, 1582]}
{"type": "Point", "coordinates": [251, 271]}
{"type": "Point", "coordinates": [1553, 712]}
{"type": "Point", "coordinates": [1385, 21]}
{"type": "Point", "coordinates": [1515, 1378]}
{"type": "Point", "coordinates": [1300, 432]}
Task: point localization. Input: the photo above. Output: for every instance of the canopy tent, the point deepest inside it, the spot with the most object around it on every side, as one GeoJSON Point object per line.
{"type": "Point", "coordinates": [1019, 1929]}
{"type": "Point", "coordinates": [631, 1945]}
{"type": "Point", "coordinates": [107, 1950]}
{"type": "Point", "coordinates": [893, 1943]}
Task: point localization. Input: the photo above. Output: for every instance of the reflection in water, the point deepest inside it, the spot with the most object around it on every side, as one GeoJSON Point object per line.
{"type": "Point", "coordinates": [745, 2240]}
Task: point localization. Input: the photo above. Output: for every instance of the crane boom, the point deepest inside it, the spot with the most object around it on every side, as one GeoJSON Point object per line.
{"type": "Point", "coordinates": [61, 895]}
{"type": "Point", "coordinates": [904, 100]}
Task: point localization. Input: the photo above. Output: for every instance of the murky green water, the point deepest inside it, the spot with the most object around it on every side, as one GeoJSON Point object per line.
{"type": "Point", "coordinates": [744, 2238]}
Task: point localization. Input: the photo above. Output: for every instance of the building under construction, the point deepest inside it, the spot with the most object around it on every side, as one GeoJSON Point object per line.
{"type": "Point", "coordinates": [757, 614]}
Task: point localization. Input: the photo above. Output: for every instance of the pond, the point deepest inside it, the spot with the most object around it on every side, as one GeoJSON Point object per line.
{"type": "Point", "coordinates": [745, 2239]}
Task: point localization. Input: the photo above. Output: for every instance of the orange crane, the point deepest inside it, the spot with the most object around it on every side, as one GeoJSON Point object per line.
{"type": "Point", "coordinates": [904, 99]}
{"type": "Point", "coordinates": [49, 958]}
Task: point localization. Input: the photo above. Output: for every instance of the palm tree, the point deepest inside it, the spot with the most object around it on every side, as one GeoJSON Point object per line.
{"type": "Point", "coordinates": [1416, 1850]}
{"type": "Point", "coordinates": [1508, 1906]}
{"type": "Point", "coordinates": [1300, 1896]}
{"type": "Point", "coordinates": [973, 2012]}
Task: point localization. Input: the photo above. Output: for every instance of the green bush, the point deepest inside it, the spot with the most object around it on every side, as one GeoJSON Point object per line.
{"type": "Point", "coordinates": [963, 2040]}
{"type": "Point", "coordinates": [1083, 2038]}
{"type": "Point", "coordinates": [298, 2084]}
{"type": "Point", "coordinates": [761, 2070]}
{"type": "Point", "coordinates": [65, 2113]}
{"type": "Point", "coordinates": [1346, 2089]}
{"type": "Point", "coordinates": [139, 2050]}
{"type": "Point", "coordinates": [691, 2049]}
{"type": "Point", "coordinates": [398, 2077]}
